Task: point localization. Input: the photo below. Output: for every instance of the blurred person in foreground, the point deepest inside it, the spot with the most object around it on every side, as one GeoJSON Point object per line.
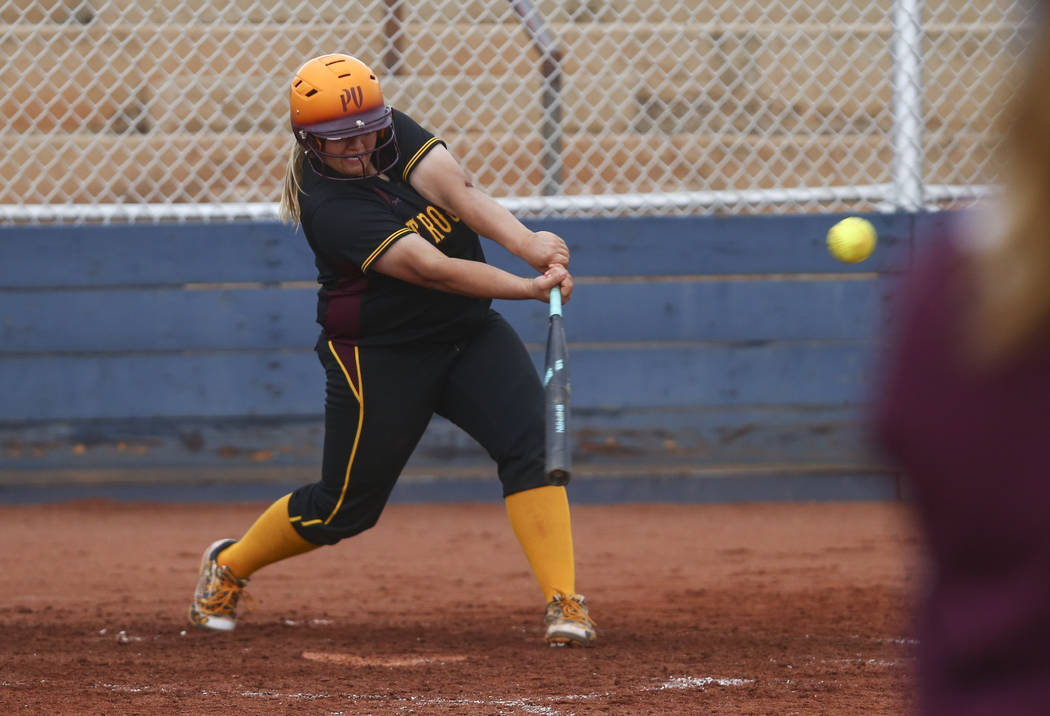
{"type": "Point", "coordinates": [964, 411]}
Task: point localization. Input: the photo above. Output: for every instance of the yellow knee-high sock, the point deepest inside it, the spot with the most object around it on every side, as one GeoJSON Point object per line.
{"type": "Point", "coordinates": [540, 520]}
{"type": "Point", "coordinates": [271, 539]}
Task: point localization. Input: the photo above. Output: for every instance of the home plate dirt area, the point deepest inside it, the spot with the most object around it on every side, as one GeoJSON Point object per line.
{"type": "Point", "coordinates": [779, 608]}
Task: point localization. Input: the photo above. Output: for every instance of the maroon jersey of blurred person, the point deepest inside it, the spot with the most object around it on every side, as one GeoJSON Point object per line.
{"type": "Point", "coordinates": [974, 448]}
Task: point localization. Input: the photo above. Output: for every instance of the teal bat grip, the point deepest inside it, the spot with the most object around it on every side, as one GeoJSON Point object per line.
{"type": "Point", "coordinates": [556, 301]}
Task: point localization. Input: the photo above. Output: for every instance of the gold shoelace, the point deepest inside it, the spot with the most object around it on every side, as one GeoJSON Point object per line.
{"type": "Point", "coordinates": [574, 610]}
{"type": "Point", "coordinates": [222, 597]}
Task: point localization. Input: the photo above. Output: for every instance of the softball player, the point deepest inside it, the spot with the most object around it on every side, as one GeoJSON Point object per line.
{"type": "Point", "coordinates": [407, 331]}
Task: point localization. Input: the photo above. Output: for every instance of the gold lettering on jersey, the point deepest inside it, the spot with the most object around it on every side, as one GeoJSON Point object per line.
{"type": "Point", "coordinates": [438, 224]}
{"type": "Point", "coordinates": [439, 219]}
{"type": "Point", "coordinates": [436, 235]}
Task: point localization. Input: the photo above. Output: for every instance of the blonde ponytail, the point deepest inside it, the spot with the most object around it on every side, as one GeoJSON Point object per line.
{"type": "Point", "coordinates": [1013, 276]}
{"type": "Point", "coordinates": [293, 178]}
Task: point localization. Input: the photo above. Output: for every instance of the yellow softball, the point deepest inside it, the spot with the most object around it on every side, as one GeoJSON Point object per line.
{"type": "Point", "coordinates": [852, 240]}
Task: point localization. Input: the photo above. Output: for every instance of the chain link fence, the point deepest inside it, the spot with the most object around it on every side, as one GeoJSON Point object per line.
{"type": "Point", "coordinates": [118, 110]}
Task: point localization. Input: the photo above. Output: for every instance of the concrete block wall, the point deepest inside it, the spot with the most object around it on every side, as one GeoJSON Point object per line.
{"type": "Point", "coordinates": [708, 349]}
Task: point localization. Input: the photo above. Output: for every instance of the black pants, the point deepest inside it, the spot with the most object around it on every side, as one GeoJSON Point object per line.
{"type": "Point", "coordinates": [378, 402]}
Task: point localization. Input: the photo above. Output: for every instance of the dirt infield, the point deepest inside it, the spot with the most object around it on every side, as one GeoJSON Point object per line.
{"type": "Point", "coordinates": [702, 609]}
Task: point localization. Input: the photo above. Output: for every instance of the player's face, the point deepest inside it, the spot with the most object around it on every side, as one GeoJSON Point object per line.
{"type": "Point", "coordinates": [359, 149]}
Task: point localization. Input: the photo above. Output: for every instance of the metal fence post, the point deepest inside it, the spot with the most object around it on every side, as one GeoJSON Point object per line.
{"type": "Point", "coordinates": [907, 182]}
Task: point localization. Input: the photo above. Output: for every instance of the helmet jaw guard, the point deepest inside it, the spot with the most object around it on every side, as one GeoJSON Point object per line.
{"type": "Point", "coordinates": [382, 157]}
{"type": "Point", "coordinates": [337, 97]}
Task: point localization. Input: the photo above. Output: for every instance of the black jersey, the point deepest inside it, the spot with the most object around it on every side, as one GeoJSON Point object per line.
{"type": "Point", "coordinates": [349, 224]}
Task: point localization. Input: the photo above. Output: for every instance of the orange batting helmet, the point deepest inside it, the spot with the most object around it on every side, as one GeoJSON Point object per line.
{"type": "Point", "coordinates": [337, 96]}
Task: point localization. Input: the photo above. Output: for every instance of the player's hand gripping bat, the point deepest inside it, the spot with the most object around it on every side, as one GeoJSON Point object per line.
{"type": "Point", "coordinates": [557, 392]}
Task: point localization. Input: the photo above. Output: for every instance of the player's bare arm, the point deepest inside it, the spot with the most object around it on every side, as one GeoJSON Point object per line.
{"type": "Point", "coordinates": [441, 179]}
{"type": "Point", "coordinates": [415, 260]}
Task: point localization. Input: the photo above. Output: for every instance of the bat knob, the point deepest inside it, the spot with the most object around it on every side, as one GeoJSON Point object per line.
{"type": "Point", "coordinates": [558, 477]}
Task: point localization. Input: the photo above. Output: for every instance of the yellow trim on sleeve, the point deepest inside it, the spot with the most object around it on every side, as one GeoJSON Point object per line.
{"type": "Point", "coordinates": [419, 155]}
{"type": "Point", "coordinates": [382, 247]}
{"type": "Point", "coordinates": [359, 392]}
